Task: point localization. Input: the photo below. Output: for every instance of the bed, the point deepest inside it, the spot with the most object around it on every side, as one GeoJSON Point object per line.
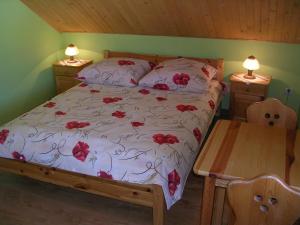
{"type": "Point", "coordinates": [114, 150]}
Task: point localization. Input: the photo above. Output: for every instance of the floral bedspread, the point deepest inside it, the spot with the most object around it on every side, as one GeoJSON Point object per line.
{"type": "Point", "coordinates": [137, 135]}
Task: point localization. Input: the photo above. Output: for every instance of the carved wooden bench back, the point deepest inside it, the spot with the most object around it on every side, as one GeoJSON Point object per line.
{"type": "Point", "coordinates": [265, 200]}
{"type": "Point", "coordinates": [272, 112]}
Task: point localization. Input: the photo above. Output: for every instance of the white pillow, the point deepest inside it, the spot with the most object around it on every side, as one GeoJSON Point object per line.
{"type": "Point", "coordinates": [181, 75]}
{"type": "Point", "coordinates": [115, 71]}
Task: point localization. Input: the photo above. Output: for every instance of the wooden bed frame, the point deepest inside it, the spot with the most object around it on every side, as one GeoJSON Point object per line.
{"type": "Point", "coordinates": [150, 195]}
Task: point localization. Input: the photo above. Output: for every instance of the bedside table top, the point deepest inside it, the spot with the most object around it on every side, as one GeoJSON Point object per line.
{"type": "Point", "coordinates": [259, 79]}
{"type": "Point", "coordinates": [79, 63]}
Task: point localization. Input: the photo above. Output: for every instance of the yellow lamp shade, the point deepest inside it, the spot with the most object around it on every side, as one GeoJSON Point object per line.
{"type": "Point", "coordinates": [251, 63]}
{"type": "Point", "coordinates": [71, 51]}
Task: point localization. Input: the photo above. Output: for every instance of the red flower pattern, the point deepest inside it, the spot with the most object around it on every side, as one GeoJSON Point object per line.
{"type": "Point", "coordinates": [3, 135]}
{"type": "Point", "coordinates": [133, 81]}
{"type": "Point", "coordinates": [144, 91]}
{"type": "Point", "coordinates": [76, 124]}
{"type": "Point", "coordinates": [184, 108]}
{"type": "Point", "coordinates": [119, 114]}
{"type": "Point", "coordinates": [181, 78]}
{"type": "Point", "coordinates": [125, 62]}
{"type": "Point", "coordinates": [160, 99]}
{"type": "Point", "coordinates": [197, 133]}
{"type": "Point", "coordinates": [71, 125]}
{"type": "Point", "coordinates": [81, 151]}
{"type": "Point", "coordinates": [16, 155]}
{"type": "Point", "coordinates": [94, 91]}
{"type": "Point", "coordinates": [108, 100]}
{"type": "Point", "coordinates": [171, 139]}
{"type": "Point", "coordinates": [159, 138]}
{"type": "Point", "coordinates": [50, 104]}
{"type": "Point", "coordinates": [83, 85]}
{"type": "Point", "coordinates": [211, 104]}
{"type": "Point", "coordinates": [165, 139]}
{"type": "Point", "coordinates": [60, 113]}
{"type": "Point", "coordinates": [83, 124]}
{"type": "Point", "coordinates": [205, 71]}
{"type": "Point", "coordinates": [105, 175]}
{"type": "Point", "coordinates": [137, 124]}
{"type": "Point", "coordinates": [173, 181]}
{"type": "Point", "coordinates": [152, 65]}
{"type": "Point", "coordinates": [159, 86]}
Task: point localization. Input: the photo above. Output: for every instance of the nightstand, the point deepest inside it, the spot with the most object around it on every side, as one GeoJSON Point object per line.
{"type": "Point", "coordinates": [64, 73]}
{"type": "Point", "coordinates": [244, 92]}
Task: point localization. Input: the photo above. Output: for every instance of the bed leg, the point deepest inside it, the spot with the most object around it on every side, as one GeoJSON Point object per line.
{"type": "Point", "coordinates": [158, 205]}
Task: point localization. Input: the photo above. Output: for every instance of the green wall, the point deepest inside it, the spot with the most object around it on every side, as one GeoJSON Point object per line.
{"type": "Point", "coordinates": [28, 47]}
{"type": "Point", "coordinates": [281, 61]}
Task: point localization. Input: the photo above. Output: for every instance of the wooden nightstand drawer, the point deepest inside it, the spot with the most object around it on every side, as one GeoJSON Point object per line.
{"type": "Point", "coordinates": [252, 89]}
{"type": "Point", "coordinates": [66, 71]}
{"type": "Point", "coordinates": [241, 103]}
{"type": "Point", "coordinates": [244, 92]}
{"type": "Point", "coordinates": [64, 83]}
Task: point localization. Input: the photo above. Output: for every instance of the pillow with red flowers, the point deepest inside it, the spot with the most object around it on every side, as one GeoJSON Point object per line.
{"type": "Point", "coordinates": [115, 71]}
{"type": "Point", "coordinates": [181, 75]}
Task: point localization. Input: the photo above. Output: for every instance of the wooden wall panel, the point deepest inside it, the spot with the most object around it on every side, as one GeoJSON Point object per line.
{"type": "Point", "coordinates": [267, 20]}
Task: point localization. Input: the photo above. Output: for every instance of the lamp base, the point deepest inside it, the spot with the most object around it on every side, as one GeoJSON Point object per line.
{"type": "Point", "coordinates": [72, 61]}
{"type": "Point", "coordinates": [246, 76]}
{"type": "Point", "coordinates": [249, 75]}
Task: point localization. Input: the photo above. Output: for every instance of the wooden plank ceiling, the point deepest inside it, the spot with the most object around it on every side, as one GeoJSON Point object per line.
{"type": "Point", "coordinates": [267, 20]}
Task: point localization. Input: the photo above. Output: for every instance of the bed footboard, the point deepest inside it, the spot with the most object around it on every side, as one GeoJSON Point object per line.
{"type": "Point", "coordinates": [145, 195]}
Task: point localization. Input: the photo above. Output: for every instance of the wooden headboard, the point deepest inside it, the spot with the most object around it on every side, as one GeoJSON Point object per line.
{"type": "Point", "coordinates": [217, 63]}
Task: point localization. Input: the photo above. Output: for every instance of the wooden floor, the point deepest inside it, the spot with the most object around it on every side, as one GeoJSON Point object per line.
{"type": "Point", "coordinates": [27, 202]}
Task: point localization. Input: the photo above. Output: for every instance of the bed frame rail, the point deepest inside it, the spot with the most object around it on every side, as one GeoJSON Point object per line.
{"type": "Point", "coordinates": [145, 195]}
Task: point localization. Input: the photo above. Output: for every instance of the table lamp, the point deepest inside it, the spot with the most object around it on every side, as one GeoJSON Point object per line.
{"type": "Point", "coordinates": [71, 51]}
{"type": "Point", "coordinates": [251, 63]}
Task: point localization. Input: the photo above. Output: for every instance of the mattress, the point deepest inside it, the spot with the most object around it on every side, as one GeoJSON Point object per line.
{"type": "Point", "coordinates": [134, 135]}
